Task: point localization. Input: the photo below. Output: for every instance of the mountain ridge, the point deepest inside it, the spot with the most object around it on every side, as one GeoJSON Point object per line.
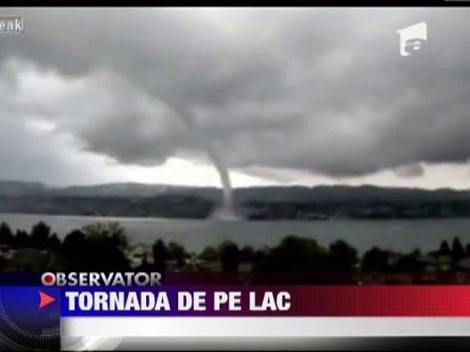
{"type": "Point", "coordinates": [271, 193]}
{"type": "Point", "coordinates": [257, 203]}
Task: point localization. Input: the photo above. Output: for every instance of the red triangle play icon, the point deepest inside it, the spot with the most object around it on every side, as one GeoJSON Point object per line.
{"type": "Point", "coordinates": [45, 299]}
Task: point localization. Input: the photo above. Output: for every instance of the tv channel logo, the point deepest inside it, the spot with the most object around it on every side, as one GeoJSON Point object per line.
{"type": "Point", "coordinates": [412, 38]}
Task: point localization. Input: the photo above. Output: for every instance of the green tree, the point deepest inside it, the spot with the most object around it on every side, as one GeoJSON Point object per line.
{"type": "Point", "coordinates": [112, 230]}
{"type": "Point", "coordinates": [458, 252]}
{"type": "Point", "coordinates": [376, 259]}
{"type": "Point", "coordinates": [40, 235]}
{"type": "Point", "coordinates": [209, 254]}
{"type": "Point", "coordinates": [54, 242]}
{"type": "Point", "coordinates": [22, 239]}
{"type": "Point", "coordinates": [161, 254]}
{"type": "Point", "coordinates": [343, 257]}
{"type": "Point", "coordinates": [117, 234]}
{"type": "Point", "coordinates": [467, 249]}
{"type": "Point", "coordinates": [229, 255]}
{"type": "Point", "coordinates": [410, 262]}
{"type": "Point", "coordinates": [96, 248]}
{"type": "Point", "coordinates": [75, 250]}
{"type": "Point", "coordinates": [444, 248]}
{"type": "Point", "coordinates": [247, 254]}
{"type": "Point", "coordinates": [6, 235]}
{"type": "Point", "coordinates": [295, 254]}
{"type": "Point", "coordinates": [178, 253]}
{"type": "Point", "coordinates": [457, 249]}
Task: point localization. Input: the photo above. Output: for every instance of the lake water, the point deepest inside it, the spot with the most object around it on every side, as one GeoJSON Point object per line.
{"type": "Point", "coordinates": [400, 235]}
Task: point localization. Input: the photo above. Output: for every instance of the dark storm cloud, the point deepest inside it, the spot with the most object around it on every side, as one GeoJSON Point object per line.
{"type": "Point", "coordinates": [321, 90]}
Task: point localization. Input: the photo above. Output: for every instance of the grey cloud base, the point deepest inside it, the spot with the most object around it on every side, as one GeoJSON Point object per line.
{"type": "Point", "coordinates": [316, 90]}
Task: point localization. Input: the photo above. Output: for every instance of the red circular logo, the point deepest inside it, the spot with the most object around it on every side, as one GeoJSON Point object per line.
{"type": "Point", "coordinates": [48, 279]}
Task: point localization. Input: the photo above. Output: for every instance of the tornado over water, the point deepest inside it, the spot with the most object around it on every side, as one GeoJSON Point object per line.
{"type": "Point", "coordinates": [226, 211]}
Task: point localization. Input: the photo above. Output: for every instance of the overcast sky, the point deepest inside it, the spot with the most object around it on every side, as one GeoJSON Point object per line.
{"type": "Point", "coordinates": [283, 96]}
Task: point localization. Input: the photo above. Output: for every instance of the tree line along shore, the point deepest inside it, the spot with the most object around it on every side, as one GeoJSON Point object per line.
{"type": "Point", "coordinates": [105, 247]}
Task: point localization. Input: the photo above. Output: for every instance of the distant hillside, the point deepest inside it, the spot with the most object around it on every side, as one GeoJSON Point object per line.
{"type": "Point", "coordinates": [129, 189]}
{"type": "Point", "coordinates": [17, 188]}
{"type": "Point", "coordinates": [265, 193]}
{"type": "Point", "coordinates": [342, 194]}
{"type": "Point", "coordinates": [273, 202]}
{"type": "Point", "coordinates": [116, 190]}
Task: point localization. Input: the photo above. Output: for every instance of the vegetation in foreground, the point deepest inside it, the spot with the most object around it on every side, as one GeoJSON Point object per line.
{"type": "Point", "coordinates": [104, 247]}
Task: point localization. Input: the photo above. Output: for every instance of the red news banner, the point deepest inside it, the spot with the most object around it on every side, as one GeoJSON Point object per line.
{"type": "Point", "coordinates": [323, 301]}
